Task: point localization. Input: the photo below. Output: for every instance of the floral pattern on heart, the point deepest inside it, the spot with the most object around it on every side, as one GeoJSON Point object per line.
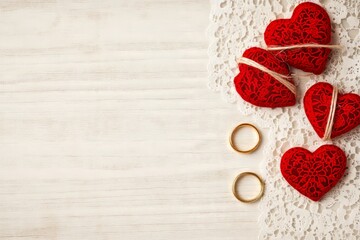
{"type": "Point", "coordinates": [317, 102]}
{"type": "Point", "coordinates": [309, 23]}
{"type": "Point", "coordinates": [313, 174]}
{"type": "Point", "coordinates": [258, 87]}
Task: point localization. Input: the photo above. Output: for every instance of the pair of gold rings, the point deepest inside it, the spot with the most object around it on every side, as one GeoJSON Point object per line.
{"type": "Point", "coordinates": [243, 174]}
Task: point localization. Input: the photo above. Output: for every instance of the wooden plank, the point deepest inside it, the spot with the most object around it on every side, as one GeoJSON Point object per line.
{"type": "Point", "coordinates": [107, 129]}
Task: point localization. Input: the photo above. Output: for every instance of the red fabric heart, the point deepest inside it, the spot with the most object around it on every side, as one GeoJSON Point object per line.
{"type": "Point", "coordinates": [313, 174]}
{"type": "Point", "coordinates": [258, 87]}
{"type": "Point", "coordinates": [309, 24]}
{"type": "Point", "coordinates": [317, 102]}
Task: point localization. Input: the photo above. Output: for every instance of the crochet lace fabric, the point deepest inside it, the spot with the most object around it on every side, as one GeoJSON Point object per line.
{"type": "Point", "coordinates": [317, 102]}
{"type": "Point", "coordinates": [286, 214]}
{"type": "Point", "coordinates": [258, 87]}
{"type": "Point", "coordinates": [309, 24]}
{"type": "Point", "coordinates": [313, 174]}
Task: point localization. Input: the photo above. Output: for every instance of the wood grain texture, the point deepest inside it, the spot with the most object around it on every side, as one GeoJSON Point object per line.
{"type": "Point", "coordinates": [107, 128]}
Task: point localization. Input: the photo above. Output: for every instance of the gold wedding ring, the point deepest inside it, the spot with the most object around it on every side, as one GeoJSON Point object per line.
{"type": "Point", "coordinates": [232, 137]}
{"type": "Point", "coordinates": [237, 195]}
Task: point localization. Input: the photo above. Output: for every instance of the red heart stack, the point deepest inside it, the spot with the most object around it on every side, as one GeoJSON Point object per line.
{"type": "Point", "coordinates": [303, 42]}
{"type": "Point", "coordinates": [309, 24]}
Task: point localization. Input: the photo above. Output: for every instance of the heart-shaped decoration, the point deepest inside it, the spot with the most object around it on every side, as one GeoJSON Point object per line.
{"type": "Point", "coordinates": [309, 24]}
{"type": "Point", "coordinates": [260, 88]}
{"type": "Point", "coordinates": [313, 174]}
{"type": "Point", "coordinates": [317, 104]}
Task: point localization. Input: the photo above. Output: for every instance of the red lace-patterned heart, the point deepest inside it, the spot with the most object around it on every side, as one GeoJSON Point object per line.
{"type": "Point", "coordinates": [313, 174]}
{"type": "Point", "coordinates": [309, 24]}
{"type": "Point", "coordinates": [260, 88]}
{"type": "Point", "coordinates": [317, 102]}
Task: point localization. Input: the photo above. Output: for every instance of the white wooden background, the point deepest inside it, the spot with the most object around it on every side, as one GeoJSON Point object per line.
{"type": "Point", "coordinates": [107, 128]}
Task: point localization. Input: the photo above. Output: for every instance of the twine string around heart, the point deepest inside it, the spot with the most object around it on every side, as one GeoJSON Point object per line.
{"type": "Point", "coordinates": [306, 45]}
{"type": "Point", "coordinates": [283, 79]}
{"type": "Point", "coordinates": [330, 120]}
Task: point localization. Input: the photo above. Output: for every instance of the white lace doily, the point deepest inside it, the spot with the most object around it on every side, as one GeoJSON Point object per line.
{"type": "Point", "coordinates": [236, 25]}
